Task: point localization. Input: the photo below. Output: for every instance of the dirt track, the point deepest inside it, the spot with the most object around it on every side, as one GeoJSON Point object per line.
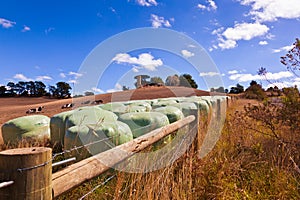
{"type": "Point", "coordinates": [11, 108]}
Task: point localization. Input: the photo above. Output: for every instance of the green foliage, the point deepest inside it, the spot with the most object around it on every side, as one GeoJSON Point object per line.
{"type": "Point", "coordinates": [62, 90]}
{"type": "Point", "coordinates": [187, 80]}
{"type": "Point", "coordinates": [89, 93]}
{"type": "Point", "coordinates": [172, 80]}
{"type": "Point", "coordinates": [237, 89]}
{"type": "Point", "coordinates": [124, 88]}
{"type": "Point", "coordinates": [156, 79]}
{"type": "Point", "coordinates": [144, 80]}
{"type": "Point", "coordinates": [255, 91]}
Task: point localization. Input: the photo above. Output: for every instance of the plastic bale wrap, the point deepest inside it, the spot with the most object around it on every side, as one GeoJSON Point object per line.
{"type": "Point", "coordinates": [112, 106]}
{"type": "Point", "coordinates": [57, 128]}
{"type": "Point", "coordinates": [96, 137]}
{"type": "Point", "coordinates": [202, 105]}
{"type": "Point", "coordinates": [173, 113]}
{"type": "Point", "coordinates": [141, 103]}
{"type": "Point", "coordinates": [128, 109]}
{"type": "Point", "coordinates": [89, 115]}
{"type": "Point", "coordinates": [35, 127]}
{"type": "Point", "coordinates": [164, 102]}
{"type": "Point", "coordinates": [187, 108]}
{"type": "Point", "coordinates": [144, 122]}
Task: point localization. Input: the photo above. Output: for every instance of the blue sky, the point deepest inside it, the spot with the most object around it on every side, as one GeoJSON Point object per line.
{"type": "Point", "coordinates": [49, 40]}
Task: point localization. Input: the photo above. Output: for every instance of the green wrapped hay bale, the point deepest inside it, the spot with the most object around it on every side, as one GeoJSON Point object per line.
{"type": "Point", "coordinates": [130, 108]}
{"type": "Point", "coordinates": [143, 122]}
{"type": "Point", "coordinates": [164, 102]}
{"type": "Point", "coordinates": [57, 127]}
{"type": "Point", "coordinates": [97, 137]}
{"type": "Point", "coordinates": [28, 127]}
{"type": "Point", "coordinates": [112, 106]}
{"type": "Point", "coordinates": [89, 115]}
{"type": "Point", "coordinates": [187, 108]}
{"type": "Point", "coordinates": [202, 105]}
{"type": "Point", "coordinates": [173, 113]}
{"type": "Point", "coordinates": [141, 103]}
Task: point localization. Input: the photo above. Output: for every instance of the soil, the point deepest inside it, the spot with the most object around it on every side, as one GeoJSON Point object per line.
{"type": "Point", "coordinates": [14, 107]}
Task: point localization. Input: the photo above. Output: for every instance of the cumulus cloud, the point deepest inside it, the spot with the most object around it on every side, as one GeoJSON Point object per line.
{"type": "Point", "coordinates": [147, 3]}
{"type": "Point", "coordinates": [75, 74]}
{"type": "Point", "coordinates": [21, 77]}
{"type": "Point", "coordinates": [209, 74]}
{"type": "Point", "coordinates": [187, 54]}
{"type": "Point", "coordinates": [243, 31]}
{"type": "Point", "coordinates": [285, 48]}
{"type": "Point", "coordinates": [211, 5]}
{"type": "Point", "coordinates": [5, 23]}
{"type": "Point", "coordinates": [262, 43]}
{"type": "Point", "coordinates": [159, 21]}
{"type": "Point", "coordinates": [98, 90]}
{"type": "Point", "coordinates": [43, 78]}
{"type": "Point", "coordinates": [233, 72]}
{"type": "Point", "coordinates": [144, 60]}
{"type": "Point", "coordinates": [62, 75]}
{"type": "Point", "coordinates": [26, 28]}
{"type": "Point", "coordinates": [118, 87]}
{"type": "Point", "coordinates": [271, 10]}
{"type": "Point", "coordinates": [269, 75]}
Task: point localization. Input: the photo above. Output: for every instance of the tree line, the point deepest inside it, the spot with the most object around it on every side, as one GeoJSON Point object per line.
{"type": "Point", "coordinates": [35, 89]}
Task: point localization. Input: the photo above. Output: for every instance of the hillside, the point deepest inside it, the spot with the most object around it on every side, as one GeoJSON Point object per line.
{"type": "Point", "coordinates": [11, 108]}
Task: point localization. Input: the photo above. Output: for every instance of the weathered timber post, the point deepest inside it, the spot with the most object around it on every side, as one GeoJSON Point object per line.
{"type": "Point", "coordinates": [218, 109]}
{"type": "Point", "coordinates": [31, 172]}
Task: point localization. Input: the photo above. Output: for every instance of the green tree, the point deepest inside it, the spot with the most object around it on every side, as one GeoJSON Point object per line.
{"type": "Point", "coordinates": [172, 80]}
{"type": "Point", "coordinates": [40, 88]}
{"type": "Point", "coordinates": [187, 80]}
{"type": "Point", "coordinates": [144, 80]}
{"type": "Point", "coordinates": [89, 93]}
{"type": "Point", "coordinates": [11, 88]}
{"type": "Point", "coordinates": [255, 91]}
{"type": "Point", "coordinates": [63, 89]}
{"type": "Point", "coordinates": [156, 79]}
{"type": "Point", "coordinates": [237, 89]}
{"type": "Point", "coordinates": [124, 88]}
{"type": "Point", "coordinates": [2, 90]}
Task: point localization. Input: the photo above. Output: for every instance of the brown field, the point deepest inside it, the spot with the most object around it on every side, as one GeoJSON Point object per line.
{"type": "Point", "coordinates": [11, 108]}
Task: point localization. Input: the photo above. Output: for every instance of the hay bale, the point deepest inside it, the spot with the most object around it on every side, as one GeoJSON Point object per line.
{"type": "Point", "coordinates": [34, 127]}
{"type": "Point", "coordinates": [144, 122]}
{"type": "Point", "coordinates": [173, 113]}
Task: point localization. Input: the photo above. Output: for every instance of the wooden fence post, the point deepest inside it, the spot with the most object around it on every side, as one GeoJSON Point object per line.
{"type": "Point", "coordinates": [30, 171]}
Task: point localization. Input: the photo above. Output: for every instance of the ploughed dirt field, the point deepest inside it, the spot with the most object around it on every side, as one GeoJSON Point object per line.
{"type": "Point", "coordinates": [11, 108]}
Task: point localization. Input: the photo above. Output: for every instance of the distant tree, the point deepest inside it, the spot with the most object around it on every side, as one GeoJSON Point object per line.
{"type": "Point", "coordinates": [124, 88]}
{"type": "Point", "coordinates": [220, 89]}
{"type": "Point", "coordinates": [156, 79]}
{"type": "Point", "coordinates": [89, 93]}
{"type": "Point", "coordinates": [172, 80]}
{"type": "Point", "coordinates": [144, 80]}
{"type": "Point", "coordinates": [63, 89]}
{"type": "Point", "coordinates": [40, 88]}
{"type": "Point", "coordinates": [2, 90]}
{"type": "Point", "coordinates": [255, 91]}
{"type": "Point", "coordinates": [187, 80]}
{"type": "Point", "coordinates": [292, 59]}
{"type": "Point", "coordinates": [237, 89]}
{"type": "Point", "coordinates": [11, 88]}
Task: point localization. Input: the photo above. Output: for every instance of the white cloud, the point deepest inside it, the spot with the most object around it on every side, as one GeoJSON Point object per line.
{"type": "Point", "coordinates": [187, 53]}
{"type": "Point", "coordinates": [233, 72]}
{"type": "Point", "coordinates": [271, 10]}
{"type": "Point", "coordinates": [26, 28]}
{"type": "Point", "coordinates": [117, 88]}
{"type": "Point", "coordinates": [244, 31]}
{"type": "Point", "coordinates": [22, 77]}
{"type": "Point", "coordinates": [98, 90]}
{"type": "Point", "coordinates": [285, 48]}
{"type": "Point", "coordinates": [62, 75]}
{"type": "Point", "coordinates": [5, 23]}
{"type": "Point", "coordinates": [211, 6]}
{"type": "Point", "coordinates": [43, 78]}
{"type": "Point", "coordinates": [159, 21]}
{"type": "Point", "coordinates": [144, 60]}
{"type": "Point", "coordinates": [209, 74]}
{"type": "Point", "coordinates": [269, 76]}
{"type": "Point", "coordinates": [262, 43]}
{"type": "Point", "coordinates": [75, 74]}
{"type": "Point", "coordinates": [147, 2]}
